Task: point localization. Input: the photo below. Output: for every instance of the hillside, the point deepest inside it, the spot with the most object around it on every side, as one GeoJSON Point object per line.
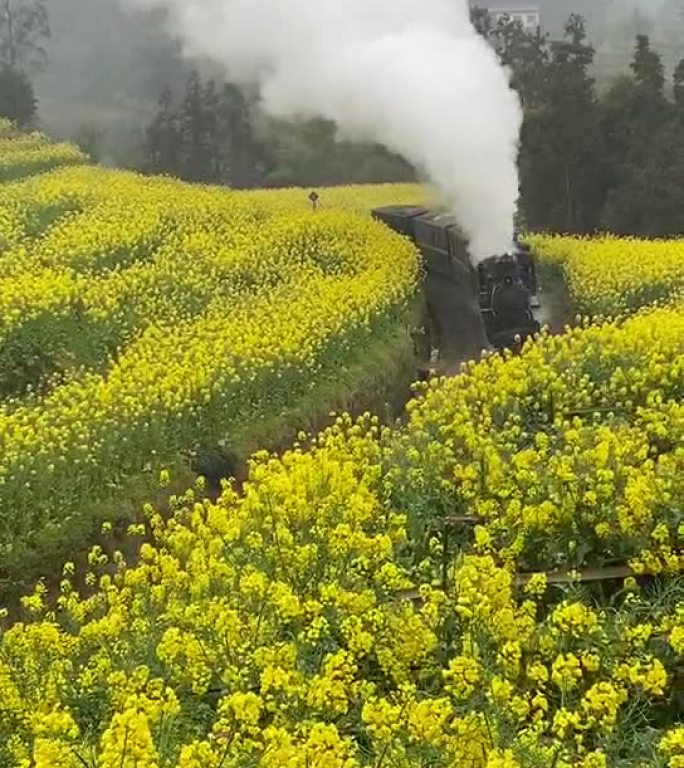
{"type": "Point", "coordinates": [146, 323]}
{"type": "Point", "coordinates": [494, 581]}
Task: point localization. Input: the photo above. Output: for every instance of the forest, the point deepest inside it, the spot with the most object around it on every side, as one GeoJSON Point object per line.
{"type": "Point", "coordinates": [605, 148]}
{"type": "Point", "coordinates": [611, 159]}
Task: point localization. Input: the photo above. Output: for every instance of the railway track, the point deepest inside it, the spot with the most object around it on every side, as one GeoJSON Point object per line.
{"type": "Point", "coordinates": [554, 312]}
{"type": "Point", "coordinates": [555, 577]}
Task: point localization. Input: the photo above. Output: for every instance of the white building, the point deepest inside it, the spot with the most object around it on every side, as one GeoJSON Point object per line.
{"type": "Point", "coordinates": [526, 12]}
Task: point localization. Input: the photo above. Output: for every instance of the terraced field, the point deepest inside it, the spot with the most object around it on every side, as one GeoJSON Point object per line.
{"type": "Point", "coordinates": [144, 320]}
{"type": "Point", "coordinates": [495, 583]}
{"type": "Point", "coordinates": [612, 275]}
{"type": "Point", "coordinates": [24, 154]}
{"type": "Point", "coordinates": [336, 613]}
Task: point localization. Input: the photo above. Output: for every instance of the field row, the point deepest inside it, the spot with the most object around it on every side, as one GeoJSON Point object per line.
{"type": "Point", "coordinates": [142, 319]}
{"type": "Point", "coordinates": [611, 275]}
{"type": "Point", "coordinates": [570, 455]}
{"type": "Point", "coordinates": [26, 154]}
{"type": "Point", "coordinates": [266, 629]}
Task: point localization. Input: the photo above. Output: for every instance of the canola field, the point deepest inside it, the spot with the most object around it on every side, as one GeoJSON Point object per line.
{"type": "Point", "coordinates": [144, 319]}
{"type": "Point", "coordinates": [377, 597]}
{"type": "Point", "coordinates": [324, 618]}
{"type": "Point", "coordinates": [611, 275]}
{"type": "Point", "coordinates": [22, 154]}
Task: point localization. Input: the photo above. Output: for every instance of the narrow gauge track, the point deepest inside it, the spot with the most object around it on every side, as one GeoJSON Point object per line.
{"type": "Point", "coordinates": [555, 314]}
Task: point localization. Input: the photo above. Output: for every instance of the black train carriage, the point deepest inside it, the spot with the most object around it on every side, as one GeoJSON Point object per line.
{"type": "Point", "coordinates": [507, 293]}
{"type": "Point", "coordinates": [460, 299]}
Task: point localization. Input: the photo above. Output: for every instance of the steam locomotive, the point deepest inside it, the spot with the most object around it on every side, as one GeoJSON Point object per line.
{"type": "Point", "coordinates": [464, 304]}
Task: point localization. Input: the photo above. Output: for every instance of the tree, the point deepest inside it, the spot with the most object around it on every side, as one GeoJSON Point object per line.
{"type": "Point", "coordinates": [301, 153]}
{"type": "Point", "coordinates": [638, 122]}
{"type": "Point", "coordinates": [163, 138]}
{"type": "Point", "coordinates": [617, 114]}
{"type": "Point", "coordinates": [634, 108]}
{"type": "Point", "coordinates": [17, 100]}
{"type": "Point", "coordinates": [218, 135]}
{"type": "Point", "coordinates": [217, 169]}
{"type": "Point", "coordinates": [373, 163]}
{"type": "Point", "coordinates": [647, 202]}
{"type": "Point", "coordinates": [482, 20]}
{"type": "Point", "coordinates": [195, 126]}
{"type": "Point", "coordinates": [90, 138]}
{"type": "Point", "coordinates": [241, 150]}
{"type": "Point", "coordinates": [678, 87]}
{"type": "Point", "coordinates": [523, 52]}
{"type": "Point", "coordinates": [649, 77]}
{"type": "Point", "coordinates": [648, 68]}
{"type": "Point", "coordinates": [526, 54]}
{"type": "Point", "coordinates": [209, 138]}
{"type": "Point", "coordinates": [561, 168]}
{"type": "Point", "coordinates": [24, 24]}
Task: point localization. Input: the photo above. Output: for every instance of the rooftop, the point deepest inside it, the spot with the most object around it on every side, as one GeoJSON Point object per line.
{"type": "Point", "coordinates": [511, 5]}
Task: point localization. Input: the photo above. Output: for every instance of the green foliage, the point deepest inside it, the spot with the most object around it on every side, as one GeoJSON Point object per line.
{"type": "Point", "coordinates": [196, 118]}
{"type": "Point", "coordinates": [560, 156]}
{"type": "Point", "coordinates": [590, 161]}
{"type": "Point", "coordinates": [678, 86]}
{"type": "Point", "coordinates": [17, 100]}
{"type": "Point", "coordinates": [90, 139]}
{"type": "Point", "coordinates": [648, 68]}
{"type": "Point", "coordinates": [208, 137]}
{"type": "Point", "coordinates": [163, 137]}
{"type": "Point", "coordinates": [645, 145]}
{"type": "Point", "coordinates": [216, 134]}
{"type": "Point", "coordinates": [309, 153]}
{"type": "Point", "coordinates": [481, 20]}
{"type": "Point", "coordinates": [24, 25]}
{"type": "Point", "coordinates": [647, 199]}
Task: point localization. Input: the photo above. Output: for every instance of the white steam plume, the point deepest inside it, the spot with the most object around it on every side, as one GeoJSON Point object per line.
{"type": "Point", "coordinates": [413, 76]}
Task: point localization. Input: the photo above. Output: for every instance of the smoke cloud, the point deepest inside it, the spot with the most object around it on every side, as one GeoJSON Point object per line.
{"type": "Point", "coordinates": [415, 77]}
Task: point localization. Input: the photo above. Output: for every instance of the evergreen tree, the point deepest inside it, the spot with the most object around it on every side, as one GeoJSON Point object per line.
{"type": "Point", "coordinates": [618, 109]}
{"type": "Point", "coordinates": [562, 176]}
{"type": "Point", "coordinates": [637, 118]}
{"type": "Point", "coordinates": [239, 146]}
{"type": "Point", "coordinates": [163, 138]}
{"type": "Point", "coordinates": [195, 125]}
{"type": "Point", "coordinates": [648, 68]}
{"type": "Point", "coordinates": [17, 99]}
{"type": "Point", "coordinates": [647, 202]}
{"type": "Point", "coordinates": [650, 107]}
{"type": "Point", "coordinates": [678, 88]}
{"type": "Point", "coordinates": [217, 166]}
{"type": "Point", "coordinates": [24, 24]}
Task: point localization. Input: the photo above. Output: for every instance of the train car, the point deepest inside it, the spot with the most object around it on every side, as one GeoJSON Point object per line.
{"type": "Point", "coordinates": [508, 323]}
{"type": "Point", "coordinates": [461, 300]}
{"type": "Point", "coordinates": [400, 218]}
